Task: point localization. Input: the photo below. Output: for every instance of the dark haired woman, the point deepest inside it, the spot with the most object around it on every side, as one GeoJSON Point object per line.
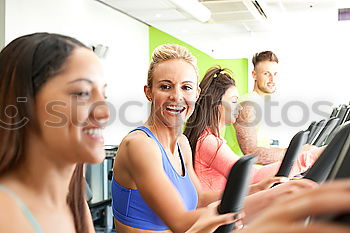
{"type": "Point", "coordinates": [49, 128]}
{"type": "Point", "coordinates": [216, 107]}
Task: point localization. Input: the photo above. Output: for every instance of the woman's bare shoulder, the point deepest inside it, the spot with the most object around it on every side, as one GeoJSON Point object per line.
{"type": "Point", "coordinates": [183, 140]}
{"type": "Point", "coordinates": [138, 145]}
{"type": "Point", "coordinates": [136, 140]}
{"type": "Point", "coordinates": [12, 219]}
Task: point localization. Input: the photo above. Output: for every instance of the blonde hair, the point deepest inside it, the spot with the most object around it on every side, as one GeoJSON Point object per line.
{"type": "Point", "coordinates": [167, 52]}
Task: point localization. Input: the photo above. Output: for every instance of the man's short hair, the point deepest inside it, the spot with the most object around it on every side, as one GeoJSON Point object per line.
{"type": "Point", "coordinates": [264, 56]}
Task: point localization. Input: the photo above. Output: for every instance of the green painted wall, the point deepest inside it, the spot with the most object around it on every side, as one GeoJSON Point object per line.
{"type": "Point", "coordinates": [239, 67]}
{"type": "Point", "coordinates": [157, 37]}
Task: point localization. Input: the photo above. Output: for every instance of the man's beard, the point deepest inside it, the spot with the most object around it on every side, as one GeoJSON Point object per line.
{"type": "Point", "coordinates": [266, 90]}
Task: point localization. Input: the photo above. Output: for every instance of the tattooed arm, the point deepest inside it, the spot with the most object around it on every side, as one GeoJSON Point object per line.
{"type": "Point", "coordinates": [247, 137]}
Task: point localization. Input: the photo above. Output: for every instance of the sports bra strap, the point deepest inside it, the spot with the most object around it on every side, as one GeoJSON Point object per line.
{"type": "Point", "coordinates": [151, 135]}
{"type": "Point", "coordinates": [23, 207]}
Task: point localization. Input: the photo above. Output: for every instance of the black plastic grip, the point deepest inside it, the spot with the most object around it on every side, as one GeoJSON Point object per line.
{"type": "Point", "coordinates": [331, 124]}
{"type": "Point", "coordinates": [321, 169]}
{"type": "Point", "coordinates": [311, 128]}
{"type": "Point", "coordinates": [315, 131]}
{"type": "Point", "coordinates": [292, 153]}
{"type": "Point", "coordinates": [342, 113]}
{"type": "Point", "coordinates": [340, 170]}
{"type": "Point", "coordinates": [236, 189]}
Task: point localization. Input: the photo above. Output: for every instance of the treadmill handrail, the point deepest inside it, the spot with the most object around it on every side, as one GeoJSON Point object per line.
{"type": "Point", "coordinates": [292, 152]}
{"type": "Point", "coordinates": [316, 130]}
{"type": "Point", "coordinates": [323, 165]}
{"type": "Point", "coordinates": [236, 189]}
{"type": "Point", "coordinates": [331, 124]}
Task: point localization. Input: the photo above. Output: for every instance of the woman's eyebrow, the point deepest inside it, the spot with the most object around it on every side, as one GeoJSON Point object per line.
{"type": "Point", "coordinates": [188, 82]}
{"type": "Point", "coordinates": [164, 80]}
{"type": "Point", "coordinates": [81, 80]}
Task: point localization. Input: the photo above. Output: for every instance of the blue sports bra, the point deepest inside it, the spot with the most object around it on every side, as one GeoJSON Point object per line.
{"type": "Point", "coordinates": [129, 207]}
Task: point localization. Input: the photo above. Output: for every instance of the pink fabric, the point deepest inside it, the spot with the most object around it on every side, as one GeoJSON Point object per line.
{"type": "Point", "coordinates": [214, 160]}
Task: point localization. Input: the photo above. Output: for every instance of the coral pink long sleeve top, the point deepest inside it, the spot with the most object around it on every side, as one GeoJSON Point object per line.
{"type": "Point", "coordinates": [214, 159]}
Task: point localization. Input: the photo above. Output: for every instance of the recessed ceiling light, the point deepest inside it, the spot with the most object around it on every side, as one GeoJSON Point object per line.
{"type": "Point", "coordinates": [158, 15]}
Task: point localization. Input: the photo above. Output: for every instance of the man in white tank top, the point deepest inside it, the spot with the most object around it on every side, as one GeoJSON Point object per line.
{"type": "Point", "coordinates": [252, 131]}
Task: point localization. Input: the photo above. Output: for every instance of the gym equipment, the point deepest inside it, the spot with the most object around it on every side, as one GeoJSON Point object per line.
{"type": "Point", "coordinates": [331, 124]}
{"type": "Point", "coordinates": [342, 113]}
{"type": "Point", "coordinates": [315, 130]}
{"type": "Point", "coordinates": [321, 169]}
{"type": "Point", "coordinates": [236, 189]}
{"type": "Point", "coordinates": [334, 112]}
{"type": "Point", "coordinates": [98, 177]}
{"type": "Point", "coordinates": [340, 170]}
{"type": "Point", "coordinates": [292, 152]}
{"type": "Point", "coordinates": [346, 115]}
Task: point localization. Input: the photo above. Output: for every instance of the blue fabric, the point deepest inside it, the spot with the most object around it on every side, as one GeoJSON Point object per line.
{"type": "Point", "coordinates": [24, 209]}
{"type": "Point", "coordinates": [129, 207]}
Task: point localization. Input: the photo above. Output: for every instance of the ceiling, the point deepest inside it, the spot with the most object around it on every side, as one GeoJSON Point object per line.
{"type": "Point", "coordinates": [229, 18]}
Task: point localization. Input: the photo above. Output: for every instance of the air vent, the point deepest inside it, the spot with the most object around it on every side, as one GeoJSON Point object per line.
{"type": "Point", "coordinates": [259, 9]}
{"type": "Point", "coordinates": [230, 11]}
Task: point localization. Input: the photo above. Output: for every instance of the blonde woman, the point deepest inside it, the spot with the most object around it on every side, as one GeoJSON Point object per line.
{"type": "Point", "coordinates": [52, 115]}
{"type": "Point", "coordinates": [154, 186]}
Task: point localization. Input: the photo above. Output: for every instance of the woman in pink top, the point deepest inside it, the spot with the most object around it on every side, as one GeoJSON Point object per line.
{"type": "Point", "coordinates": [216, 107]}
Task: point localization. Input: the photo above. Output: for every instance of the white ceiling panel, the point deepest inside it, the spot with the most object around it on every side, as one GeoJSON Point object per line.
{"type": "Point", "coordinates": [230, 18]}
{"type": "Point", "coordinates": [224, 6]}
{"type": "Point", "coordinates": [153, 16]}
{"type": "Point", "coordinates": [128, 5]}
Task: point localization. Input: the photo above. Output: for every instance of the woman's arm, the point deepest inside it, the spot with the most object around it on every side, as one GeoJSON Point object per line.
{"type": "Point", "coordinates": [210, 220]}
{"type": "Point", "coordinates": [266, 183]}
{"type": "Point", "coordinates": [142, 160]}
{"type": "Point", "coordinates": [220, 157]}
{"type": "Point", "coordinates": [257, 202]}
{"type": "Point", "coordinates": [288, 214]}
{"type": "Point", "coordinates": [253, 203]}
{"type": "Point", "coordinates": [204, 198]}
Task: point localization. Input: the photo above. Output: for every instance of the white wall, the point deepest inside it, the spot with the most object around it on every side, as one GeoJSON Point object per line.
{"type": "Point", "coordinates": [314, 61]}
{"type": "Point", "coordinates": [94, 23]}
{"type": "Point", "coordinates": [313, 53]}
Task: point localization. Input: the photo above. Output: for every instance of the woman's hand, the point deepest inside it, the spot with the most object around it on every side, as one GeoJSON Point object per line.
{"type": "Point", "coordinates": [258, 202]}
{"type": "Point", "coordinates": [310, 154]}
{"type": "Point", "coordinates": [287, 215]}
{"type": "Point", "coordinates": [266, 183]}
{"type": "Point", "coordinates": [209, 220]}
{"type": "Point", "coordinates": [291, 187]}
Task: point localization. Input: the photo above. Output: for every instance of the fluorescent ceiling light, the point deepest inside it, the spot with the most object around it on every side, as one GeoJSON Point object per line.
{"type": "Point", "coordinates": [193, 8]}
